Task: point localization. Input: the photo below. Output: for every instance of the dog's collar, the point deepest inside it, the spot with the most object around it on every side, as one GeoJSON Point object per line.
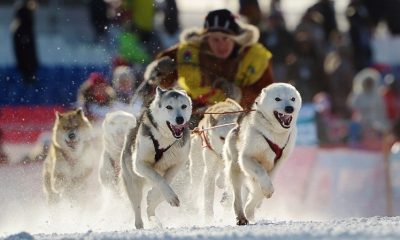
{"type": "Point", "coordinates": [276, 149]}
{"type": "Point", "coordinates": [159, 151]}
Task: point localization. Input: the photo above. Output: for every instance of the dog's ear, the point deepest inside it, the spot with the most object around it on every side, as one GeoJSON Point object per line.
{"type": "Point", "coordinates": [160, 91]}
{"type": "Point", "coordinates": [58, 115]}
{"type": "Point", "coordinates": [79, 111]}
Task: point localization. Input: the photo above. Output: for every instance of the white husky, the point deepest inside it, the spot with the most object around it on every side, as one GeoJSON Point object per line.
{"type": "Point", "coordinates": [155, 150]}
{"type": "Point", "coordinates": [206, 150]}
{"type": "Point", "coordinates": [263, 138]}
{"type": "Point", "coordinates": [116, 125]}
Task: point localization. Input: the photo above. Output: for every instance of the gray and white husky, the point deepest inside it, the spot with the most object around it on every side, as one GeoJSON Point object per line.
{"type": "Point", "coordinates": [155, 150]}
{"type": "Point", "coordinates": [262, 139]}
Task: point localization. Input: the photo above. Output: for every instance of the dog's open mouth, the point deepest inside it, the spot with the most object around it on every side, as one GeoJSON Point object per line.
{"type": "Point", "coordinates": [176, 130]}
{"type": "Point", "coordinates": [283, 119]}
{"type": "Point", "coordinates": [71, 143]}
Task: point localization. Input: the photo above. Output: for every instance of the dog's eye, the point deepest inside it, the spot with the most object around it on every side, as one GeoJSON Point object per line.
{"type": "Point", "coordinates": [293, 99]}
{"type": "Point", "coordinates": [277, 99]}
{"type": "Point", "coordinates": [184, 106]}
{"type": "Point", "coordinates": [169, 107]}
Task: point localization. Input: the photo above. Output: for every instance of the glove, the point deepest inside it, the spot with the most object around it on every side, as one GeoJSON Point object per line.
{"type": "Point", "coordinates": [158, 68]}
{"type": "Point", "coordinates": [230, 89]}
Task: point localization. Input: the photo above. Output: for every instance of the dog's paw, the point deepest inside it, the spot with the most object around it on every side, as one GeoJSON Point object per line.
{"type": "Point", "coordinates": [268, 191]}
{"type": "Point", "coordinates": [155, 222]}
{"type": "Point", "coordinates": [226, 200]}
{"type": "Point", "coordinates": [173, 200]}
{"type": "Point", "coordinates": [139, 224]}
{"type": "Point", "coordinates": [241, 221]}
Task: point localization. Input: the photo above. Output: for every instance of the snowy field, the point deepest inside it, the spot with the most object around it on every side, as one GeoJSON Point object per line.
{"type": "Point", "coordinates": [25, 215]}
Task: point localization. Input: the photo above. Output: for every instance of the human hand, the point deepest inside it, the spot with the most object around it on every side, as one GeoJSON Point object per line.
{"type": "Point", "coordinates": [158, 68]}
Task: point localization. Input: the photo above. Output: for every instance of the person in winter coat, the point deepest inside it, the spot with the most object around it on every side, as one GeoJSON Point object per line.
{"type": "Point", "coordinates": [96, 97]}
{"type": "Point", "coordinates": [22, 29]}
{"type": "Point", "coordinates": [223, 59]}
{"type": "Point", "coordinates": [367, 106]}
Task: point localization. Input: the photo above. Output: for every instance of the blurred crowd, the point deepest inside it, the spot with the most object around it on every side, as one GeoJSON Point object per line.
{"type": "Point", "coordinates": [357, 101]}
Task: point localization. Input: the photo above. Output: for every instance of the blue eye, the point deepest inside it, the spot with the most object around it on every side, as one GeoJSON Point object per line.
{"type": "Point", "coordinates": [169, 107]}
{"type": "Point", "coordinates": [278, 99]}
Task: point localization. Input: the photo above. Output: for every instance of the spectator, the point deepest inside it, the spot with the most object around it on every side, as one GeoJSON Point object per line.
{"type": "Point", "coordinates": [305, 70]}
{"type": "Point", "coordinates": [367, 106]}
{"type": "Point", "coordinates": [3, 155]}
{"type": "Point", "coordinates": [124, 83]}
{"type": "Point", "coordinates": [391, 95]}
{"type": "Point", "coordinates": [394, 140]}
{"type": "Point", "coordinates": [326, 10]}
{"type": "Point", "coordinates": [170, 34]}
{"type": "Point", "coordinates": [330, 128]}
{"type": "Point", "coordinates": [250, 9]}
{"type": "Point", "coordinates": [280, 41]}
{"type": "Point", "coordinates": [339, 71]}
{"type": "Point", "coordinates": [98, 10]}
{"type": "Point", "coordinates": [360, 32]}
{"type": "Point", "coordinates": [96, 97]}
{"type": "Point", "coordinates": [223, 59]}
{"type": "Point", "coordinates": [22, 29]}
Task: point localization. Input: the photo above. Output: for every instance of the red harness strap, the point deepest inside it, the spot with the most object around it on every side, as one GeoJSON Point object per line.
{"type": "Point", "coordinates": [276, 149]}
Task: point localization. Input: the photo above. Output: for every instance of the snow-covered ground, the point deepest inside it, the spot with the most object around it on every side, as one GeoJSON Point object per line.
{"type": "Point", "coordinates": [25, 215]}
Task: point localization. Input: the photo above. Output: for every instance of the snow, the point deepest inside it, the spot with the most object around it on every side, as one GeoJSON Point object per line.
{"type": "Point", "coordinates": [25, 215]}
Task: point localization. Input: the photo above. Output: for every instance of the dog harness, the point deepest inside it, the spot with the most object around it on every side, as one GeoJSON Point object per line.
{"type": "Point", "coordinates": [276, 149]}
{"type": "Point", "coordinates": [159, 151]}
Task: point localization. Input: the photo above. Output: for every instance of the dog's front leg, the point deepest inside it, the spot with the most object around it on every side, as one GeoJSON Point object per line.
{"type": "Point", "coordinates": [254, 199]}
{"type": "Point", "coordinates": [133, 183]}
{"type": "Point", "coordinates": [236, 180]}
{"type": "Point", "coordinates": [154, 196]}
{"type": "Point", "coordinates": [156, 179]}
{"type": "Point", "coordinates": [59, 182]}
{"type": "Point", "coordinates": [254, 169]}
{"type": "Point", "coordinates": [52, 195]}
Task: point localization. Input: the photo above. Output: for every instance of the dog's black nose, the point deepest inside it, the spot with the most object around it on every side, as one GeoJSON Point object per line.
{"type": "Point", "coordinates": [179, 120]}
{"type": "Point", "coordinates": [289, 109]}
{"type": "Point", "coordinates": [72, 136]}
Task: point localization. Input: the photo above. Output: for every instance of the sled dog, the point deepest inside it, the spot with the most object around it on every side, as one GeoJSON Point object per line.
{"type": "Point", "coordinates": [263, 138]}
{"type": "Point", "coordinates": [206, 150]}
{"type": "Point", "coordinates": [65, 169]}
{"type": "Point", "coordinates": [115, 127]}
{"type": "Point", "coordinates": [155, 150]}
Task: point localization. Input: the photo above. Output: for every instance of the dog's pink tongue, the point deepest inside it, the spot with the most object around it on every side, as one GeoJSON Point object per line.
{"type": "Point", "coordinates": [287, 119]}
{"type": "Point", "coordinates": [178, 129]}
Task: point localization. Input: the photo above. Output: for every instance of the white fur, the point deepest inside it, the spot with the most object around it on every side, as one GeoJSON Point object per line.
{"type": "Point", "coordinates": [138, 158]}
{"type": "Point", "coordinates": [249, 158]}
{"type": "Point", "coordinates": [206, 161]}
{"type": "Point", "coordinates": [115, 127]}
